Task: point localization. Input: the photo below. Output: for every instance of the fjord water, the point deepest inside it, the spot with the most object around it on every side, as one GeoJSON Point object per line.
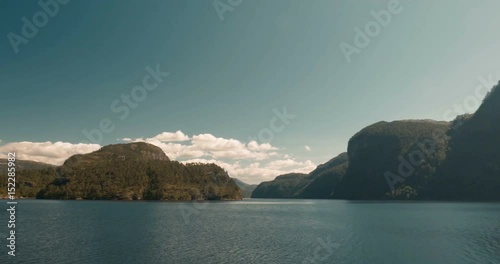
{"type": "Point", "coordinates": [255, 231]}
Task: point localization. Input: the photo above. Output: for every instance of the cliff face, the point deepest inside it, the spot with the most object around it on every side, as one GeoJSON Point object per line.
{"type": "Point", "coordinates": [386, 156]}
{"type": "Point", "coordinates": [472, 169]}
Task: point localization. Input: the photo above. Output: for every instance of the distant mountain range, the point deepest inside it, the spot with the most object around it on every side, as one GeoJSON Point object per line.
{"type": "Point", "coordinates": [410, 159]}
{"type": "Point", "coordinates": [25, 165]}
{"type": "Point", "coordinates": [319, 184]}
{"type": "Point", "coordinates": [284, 186]}
{"type": "Point", "coordinates": [246, 189]}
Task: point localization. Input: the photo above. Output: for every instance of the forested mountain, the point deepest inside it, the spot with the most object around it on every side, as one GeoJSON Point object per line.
{"type": "Point", "coordinates": [411, 159]}
{"type": "Point", "coordinates": [31, 177]}
{"type": "Point", "coordinates": [284, 186]}
{"type": "Point", "coordinates": [322, 182]}
{"type": "Point", "coordinates": [128, 172]}
{"type": "Point", "coordinates": [28, 181]}
{"type": "Point", "coordinates": [319, 184]}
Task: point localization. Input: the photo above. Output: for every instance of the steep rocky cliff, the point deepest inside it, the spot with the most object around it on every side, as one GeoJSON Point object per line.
{"type": "Point", "coordinates": [472, 169]}
{"type": "Point", "coordinates": [390, 155]}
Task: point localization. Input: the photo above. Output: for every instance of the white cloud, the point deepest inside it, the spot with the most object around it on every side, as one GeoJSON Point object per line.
{"type": "Point", "coordinates": [253, 145]}
{"type": "Point", "coordinates": [207, 145]}
{"type": "Point", "coordinates": [280, 164]}
{"type": "Point", "coordinates": [307, 148]}
{"type": "Point", "coordinates": [53, 153]}
{"type": "Point", "coordinates": [171, 137]}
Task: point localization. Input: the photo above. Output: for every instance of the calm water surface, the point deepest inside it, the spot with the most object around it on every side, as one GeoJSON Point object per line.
{"type": "Point", "coordinates": [254, 231]}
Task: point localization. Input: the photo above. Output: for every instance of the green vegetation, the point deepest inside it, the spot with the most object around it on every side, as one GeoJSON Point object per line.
{"type": "Point", "coordinates": [402, 193]}
{"type": "Point", "coordinates": [322, 182]}
{"type": "Point", "coordinates": [130, 172]}
{"type": "Point", "coordinates": [283, 186]}
{"type": "Point", "coordinates": [29, 181]}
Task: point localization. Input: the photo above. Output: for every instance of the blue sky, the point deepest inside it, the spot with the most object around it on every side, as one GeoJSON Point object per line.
{"type": "Point", "coordinates": [227, 76]}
